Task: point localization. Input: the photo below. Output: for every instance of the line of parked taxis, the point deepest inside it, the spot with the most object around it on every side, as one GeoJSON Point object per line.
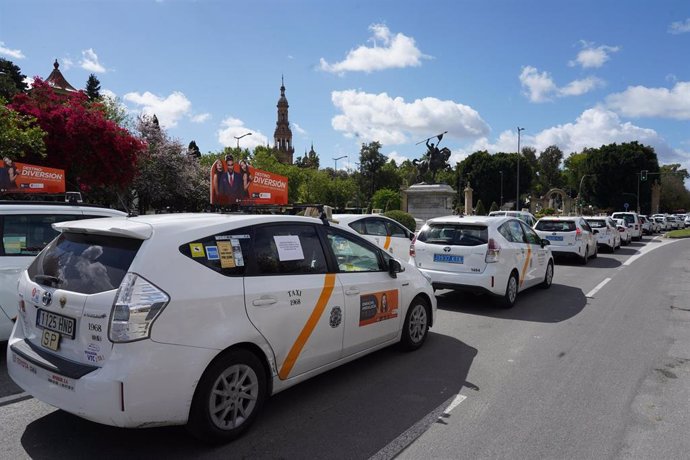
{"type": "Point", "coordinates": [196, 319]}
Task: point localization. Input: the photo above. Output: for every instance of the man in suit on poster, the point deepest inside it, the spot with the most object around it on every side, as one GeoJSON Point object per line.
{"type": "Point", "coordinates": [234, 180]}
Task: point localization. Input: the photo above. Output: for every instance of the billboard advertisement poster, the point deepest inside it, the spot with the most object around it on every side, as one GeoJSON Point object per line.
{"type": "Point", "coordinates": [25, 178]}
{"type": "Point", "coordinates": [238, 183]}
{"type": "Point", "coordinates": [378, 306]}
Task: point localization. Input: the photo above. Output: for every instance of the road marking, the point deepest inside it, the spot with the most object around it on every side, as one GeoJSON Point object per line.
{"type": "Point", "coordinates": [4, 401]}
{"type": "Point", "coordinates": [591, 293]}
{"type": "Point", "coordinates": [400, 443]}
{"type": "Point", "coordinates": [647, 249]}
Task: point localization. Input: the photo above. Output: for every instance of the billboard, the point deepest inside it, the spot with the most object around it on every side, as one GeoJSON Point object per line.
{"type": "Point", "coordinates": [238, 183]}
{"type": "Point", "coordinates": [25, 178]}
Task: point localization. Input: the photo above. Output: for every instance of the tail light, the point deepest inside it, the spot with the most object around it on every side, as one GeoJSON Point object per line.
{"type": "Point", "coordinates": [137, 305]}
{"type": "Point", "coordinates": [492, 252]}
{"type": "Point", "coordinates": [414, 240]}
{"type": "Point", "coordinates": [578, 234]}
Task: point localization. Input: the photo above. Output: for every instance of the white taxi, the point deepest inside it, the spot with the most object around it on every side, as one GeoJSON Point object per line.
{"type": "Point", "coordinates": [381, 230]}
{"type": "Point", "coordinates": [498, 255]}
{"type": "Point", "coordinates": [197, 318]}
{"type": "Point", "coordinates": [569, 236]}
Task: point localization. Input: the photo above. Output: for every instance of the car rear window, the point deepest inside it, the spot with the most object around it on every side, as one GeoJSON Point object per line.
{"type": "Point", "coordinates": [454, 234]}
{"type": "Point", "coordinates": [596, 223]}
{"type": "Point", "coordinates": [556, 226]}
{"type": "Point", "coordinates": [87, 264]}
{"type": "Point", "coordinates": [628, 218]}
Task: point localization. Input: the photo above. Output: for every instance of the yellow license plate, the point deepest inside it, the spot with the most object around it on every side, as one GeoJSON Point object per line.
{"type": "Point", "coordinates": [50, 340]}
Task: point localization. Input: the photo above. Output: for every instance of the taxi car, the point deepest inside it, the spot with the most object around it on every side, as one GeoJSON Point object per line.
{"type": "Point", "coordinates": [608, 237]}
{"type": "Point", "coordinates": [632, 221]}
{"type": "Point", "coordinates": [497, 255]}
{"type": "Point", "coordinates": [25, 229]}
{"type": "Point", "coordinates": [570, 236]}
{"type": "Point", "coordinates": [197, 318]}
{"type": "Point", "coordinates": [381, 230]}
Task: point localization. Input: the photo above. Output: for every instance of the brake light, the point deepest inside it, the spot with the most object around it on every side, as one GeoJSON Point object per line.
{"type": "Point", "coordinates": [492, 252]}
{"type": "Point", "coordinates": [578, 234]}
{"type": "Point", "coordinates": [414, 240]}
{"type": "Point", "coordinates": [137, 305]}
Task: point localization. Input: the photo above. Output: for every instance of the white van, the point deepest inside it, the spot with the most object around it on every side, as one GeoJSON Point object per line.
{"type": "Point", "coordinates": [25, 229]}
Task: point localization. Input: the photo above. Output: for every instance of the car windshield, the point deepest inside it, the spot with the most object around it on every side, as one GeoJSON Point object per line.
{"type": "Point", "coordinates": [556, 226]}
{"type": "Point", "coordinates": [454, 234]}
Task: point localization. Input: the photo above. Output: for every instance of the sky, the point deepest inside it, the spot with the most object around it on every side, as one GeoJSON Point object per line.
{"type": "Point", "coordinates": [575, 74]}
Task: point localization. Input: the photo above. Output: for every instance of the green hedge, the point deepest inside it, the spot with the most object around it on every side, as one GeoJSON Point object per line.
{"type": "Point", "coordinates": [403, 218]}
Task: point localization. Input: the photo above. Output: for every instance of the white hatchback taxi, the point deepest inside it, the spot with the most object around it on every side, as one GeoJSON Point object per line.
{"type": "Point", "coordinates": [571, 236]}
{"type": "Point", "coordinates": [197, 318]}
{"type": "Point", "coordinates": [381, 230]}
{"type": "Point", "coordinates": [497, 255]}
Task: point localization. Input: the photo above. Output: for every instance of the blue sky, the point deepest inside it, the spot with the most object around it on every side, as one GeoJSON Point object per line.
{"type": "Point", "coordinates": [575, 74]}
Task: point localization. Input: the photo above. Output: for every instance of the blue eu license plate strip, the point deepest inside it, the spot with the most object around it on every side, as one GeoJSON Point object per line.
{"type": "Point", "coordinates": [554, 238]}
{"type": "Point", "coordinates": [449, 258]}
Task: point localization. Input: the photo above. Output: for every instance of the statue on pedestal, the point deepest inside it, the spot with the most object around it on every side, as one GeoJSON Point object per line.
{"type": "Point", "coordinates": [433, 160]}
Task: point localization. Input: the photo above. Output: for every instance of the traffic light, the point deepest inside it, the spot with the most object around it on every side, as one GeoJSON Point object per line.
{"type": "Point", "coordinates": [643, 175]}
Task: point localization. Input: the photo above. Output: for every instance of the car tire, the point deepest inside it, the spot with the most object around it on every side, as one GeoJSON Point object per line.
{"type": "Point", "coordinates": [596, 252]}
{"type": "Point", "coordinates": [416, 325]}
{"type": "Point", "coordinates": [548, 276]}
{"type": "Point", "coordinates": [585, 258]}
{"type": "Point", "coordinates": [510, 297]}
{"type": "Point", "coordinates": [235, 383]}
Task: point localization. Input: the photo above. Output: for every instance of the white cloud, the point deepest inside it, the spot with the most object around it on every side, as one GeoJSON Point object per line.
{"type": "Point", "coordinates": [14, 54]}
{"type": "Point", "coordinates": [679, 27]}
{"type": "Point", "coordinates": [540, 87]}
{"type": "Point", "coordinates": [67, 63]}
{"type": "Point", "coordinates": [168, 110]}
{"type": "Point", "coordinates": [90, 62]}
{"type": "Point", "coordinates": [231, 127]}
{"type": "Point", "coordinates": [395, 156]}
{"type": "Point", "coordinates": [29, 82]}
{"type": "Point", "coordinates": [593, 57]}
{"type": "Point", "coordinates": [397, 51]}
{"type": "Point", "coordinates": [200, 118]}
{"type": "Point", "coordinates": [379, 117]}
{"type": "Point", "coordinates": [301, 131]}
{"type": "Point", "coordinates": [639, 101]}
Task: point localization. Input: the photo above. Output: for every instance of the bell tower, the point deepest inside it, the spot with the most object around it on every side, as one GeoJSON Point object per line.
{"type": "Point", "coordinates": [282, 136]}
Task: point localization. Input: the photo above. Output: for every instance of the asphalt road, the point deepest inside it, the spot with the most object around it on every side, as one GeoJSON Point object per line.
{"type": "Point", "coordinates": [596, 367]}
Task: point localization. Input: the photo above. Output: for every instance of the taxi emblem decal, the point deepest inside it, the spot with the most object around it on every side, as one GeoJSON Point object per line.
{"type": "Point", "coordinates": [336, 317]}
{"type": "Point", "coordinates": [446, 249]}
{"type": "Point", "coordinates": [47, 298]}
{"type": "Point", "coordinates": [63, 301]}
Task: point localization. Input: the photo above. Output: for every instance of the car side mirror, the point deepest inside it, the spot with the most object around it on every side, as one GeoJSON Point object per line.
{"type": "Point", "coordinates": [394, 267]}
{"type": "Point", "coordinates": [545, 242]}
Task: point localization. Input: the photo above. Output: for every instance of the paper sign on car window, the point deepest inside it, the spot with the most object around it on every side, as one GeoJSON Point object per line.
{"type": "Point", "coordinates": [227, 259]}
{"type": "Point", "coordinates": [289, 247]}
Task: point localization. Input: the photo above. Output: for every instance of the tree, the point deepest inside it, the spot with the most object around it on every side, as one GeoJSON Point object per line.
{"type": "Point", "coordinates": [193, 150]}
{"type": "Point", "coordinates": [370, 162]}
{"type": "Point", "coordinates": [674, 195]}
{"type": "Point", "coordinates": [309, 160]}
{"type": "Point", "coordinates": [93, 88]}
{"type": "Point", "coordinates": [19, 135]}
{"type": "Point", "coordinates": [480, 210]}
{"type": "Point", "coordinates": [93, 151]}
{"type": "Point", "coordinates": [12, 81]}
{"type": "Point", "coordinates": [385, 199]}
{"type": "Point", "coordinates": [549, 167]}
{"type": "Point", "coordinates": [494, 207]}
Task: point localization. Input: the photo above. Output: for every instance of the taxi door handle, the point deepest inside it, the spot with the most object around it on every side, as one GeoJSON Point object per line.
{"type": "Point", "coordinates": [352, 291]}
{"type": "Point", "coordinates": [264, 301]}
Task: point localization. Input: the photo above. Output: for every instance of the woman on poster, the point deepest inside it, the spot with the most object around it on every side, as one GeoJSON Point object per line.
{"type": "Point", "coordinates": [246, 178]}
{"type": "Point", "coordinates": [221, 186]}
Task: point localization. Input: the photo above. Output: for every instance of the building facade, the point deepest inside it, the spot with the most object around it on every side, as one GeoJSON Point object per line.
{"type": "Point", "coordinates": [282, 137]}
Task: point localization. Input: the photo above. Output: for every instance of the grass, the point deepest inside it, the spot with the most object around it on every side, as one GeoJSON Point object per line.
{"type": "Point", "coordinates": [683, 233]}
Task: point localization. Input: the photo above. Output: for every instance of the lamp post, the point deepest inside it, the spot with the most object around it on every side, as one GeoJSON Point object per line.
{"type": "Point", "coordinates": [240, 137]}
{"type": "Point", "coordinates": [501, 205]}
{"type": "Point", "coordinates": [517, 198]}
{"type": "Point", "coordinates": [579, 192]}
{"type": "Point", "coordinates": [335, 160]}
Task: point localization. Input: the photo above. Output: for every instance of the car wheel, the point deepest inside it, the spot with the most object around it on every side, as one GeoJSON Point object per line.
{"type": "Point", "coordinates": [228, 398]}
{"type": "Point", "coordinates": [510, 297]}
{"type": "Point", "coordinates": [584, 259]}
{"type": "Point", "coordinates": [416, 326]}
{"type": "Point", "coordinates": [596, 252]}
{"type": "Point", "coordinates": [548, 276]}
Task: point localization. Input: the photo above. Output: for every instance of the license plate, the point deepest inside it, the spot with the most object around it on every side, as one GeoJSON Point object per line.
{"type": "Point", "coordinates": [449, 258]}
{"type": "Point", "coordinates": [50, 339]}
{"type": "Point", "coordinates": [61, 324]}
{"type": "Point", "coordinates": [554, 238]}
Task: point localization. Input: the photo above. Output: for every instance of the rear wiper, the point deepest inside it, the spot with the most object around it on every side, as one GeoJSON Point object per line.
{"type": "Point", "coordinates": [48, 280]}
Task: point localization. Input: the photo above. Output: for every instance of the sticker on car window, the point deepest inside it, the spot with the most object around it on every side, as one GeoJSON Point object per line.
{"type": "Point", "coordinates": [212, 253]}
{"type": "Point", "coordinates": [378, 306]}
{"type": "Point", "coordinates": [230, 237]}
{"type": "Point", "coordinates": [289, 247]}
{"type": "Point", "coordinates": [197, 249]}
{"type": "Point", "coordinates": [237, 252]}
{"type": "Point", "coordinates": [225, 252]}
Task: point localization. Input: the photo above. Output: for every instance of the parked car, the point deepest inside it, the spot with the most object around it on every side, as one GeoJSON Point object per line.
{"type": "Point", "coordinates": [382, 231]}
{"type": "Point", "coordinates": [571, 236]}
{"type": "Point", "coordinates": [632, 221]}
{"type": "Point", "coordinates": [608, 236]}
{"type": "Point", "coordinates": [661, 223]}
{"type": "Point", "coordinates": [625, 235]}
{"type": "Point", "coordinates": [245, 306]}
{"type": "Point", "coordinates": [686, 221]}
{"type": "Point", "coordinates": [673, 222]}
{"type": "Point", "coordinates": [25, 229]}
{"type": "Point", "coordinates": [497, 255]}
{"type": "Point", "coordinates": [524, 216]}
{"type": "Point", "coordinates": [647, 226]}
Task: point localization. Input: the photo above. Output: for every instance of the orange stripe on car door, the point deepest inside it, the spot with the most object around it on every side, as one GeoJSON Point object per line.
{"type": "Point", "coordinates": [387, 244]}
{"type": "Point", "coordinates": [524, 267]}
{"type": "Point", "coordinates": [308, 328]}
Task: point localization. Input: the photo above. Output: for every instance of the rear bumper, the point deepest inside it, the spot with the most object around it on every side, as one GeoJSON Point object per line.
{"type": "Point", "coordinates": [142, 384]}
{"type": "Point", "coordinates": [491, 281]}
{"type": "Point", "coordinates": [568, 250]}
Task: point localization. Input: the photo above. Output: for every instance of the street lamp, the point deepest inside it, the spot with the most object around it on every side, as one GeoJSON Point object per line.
{"type": "Point", "coordinates": [240, 137]}
{"type": "Point", "coordinates": [335, 159]}
{"type": "Point", "coordinates": [517, 200]}
{"type": "Point", "coordinates": [579, 192]}
{"type": "Point", "coordinates": [501, 205]}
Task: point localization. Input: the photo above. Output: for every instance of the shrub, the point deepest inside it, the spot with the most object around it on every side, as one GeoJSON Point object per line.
{"type": "Point", "coordinates": [494, 207]}
{"type": "Point", "coordinates": [403, 218]}
{"type": "Point", "coordinates": [480, 211]}
{"type": "Point", "coordinates": [385, 199]}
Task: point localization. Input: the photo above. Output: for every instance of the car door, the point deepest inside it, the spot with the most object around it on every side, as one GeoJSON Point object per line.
{"type": "Point", "coordinates": [538, 256]}
{"type": "Point", "coordinates": [588, 236]}
{"type": "Point", "coordinates": [518, 251]}
{"type": "Point", "coordinates": [399, 240]}
{"type": "Point", "coordinates": [292, 299]}
{"type": "Point", "coordinates": [373, 298]}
